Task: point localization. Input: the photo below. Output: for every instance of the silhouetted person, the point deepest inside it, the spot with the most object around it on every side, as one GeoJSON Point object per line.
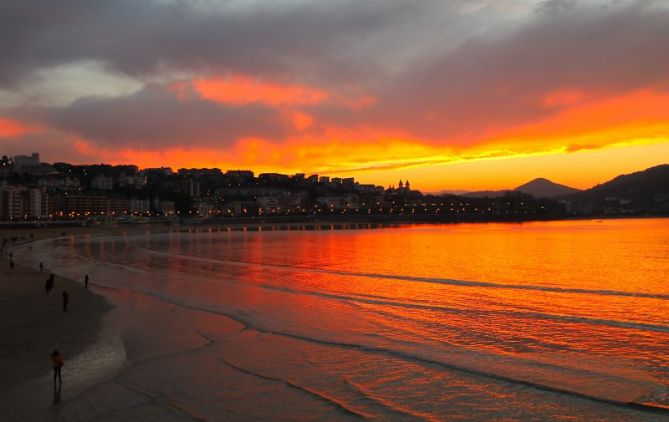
{"type": "Point", "coordinates": [86, 281]}
{"type": "Point", "coordinates": [49, 284]}
{"type": "Point", "coordinates": [41, 267]}
{"type": "Point", "coordinates": [58, 362]}
{"type": "Point", "coordinates": [66, 299]}
{"type": "Point", "coordinates": [11, 265]}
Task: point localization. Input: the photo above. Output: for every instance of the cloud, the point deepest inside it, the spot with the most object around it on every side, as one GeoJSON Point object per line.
{"type": "Point", "coordinates": [502, 80]}
{"type": "Point", "coordinates": [155, 118]}
{"type": "Point", "coordinates": [465, 78]}
{"type": "Point", "coordinates": [12, 128]}
{"type": "Point", "coordinates": [242, 90]}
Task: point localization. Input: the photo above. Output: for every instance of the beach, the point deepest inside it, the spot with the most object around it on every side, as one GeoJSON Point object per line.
{"type": "Point", "coordinates": [202, 324]}
{"type": "Point", "coordinates": [34, 325]}
{"type": "Point", "coordinates": [109, 338]}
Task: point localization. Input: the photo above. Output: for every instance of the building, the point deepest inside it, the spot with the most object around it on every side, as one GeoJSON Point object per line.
{"type": "Point", "coordinates": [193, 188]}
{"type": "Point", "coordinates": [273, 178]}
{"type": "Point", "coordinates": [102, 182]}
{"type": "Point", "coordinates": [34, 203]}
{"type": "Point", "coordinates": [242, 207]}
{"type": "Point", "coordinates": [23, 161]}
{"type": "Point", "coordinates": [61, 183]}
{"type": "Point", "coordinates": [19, 202]}
{"type": "Point", "coordinates": [324, 179]}
{"type": "Point", "coordinates": [239, 176]}
{"type": "Point", "coordinates": [369, 189]}
{"type": "Point", "coordinates": [139, 206]}
{"type": "Point", "coordinates": [351, 201]}
{"type": "Point", "coordinates": [270, 203]}
{"type": "Point", "coordinates": [13, 203]}
{"type": "Point", "coordinates": [133, 181]}
{"type": "Point", "coordinates": [331, 202]}
{"type": "Point", "coordinates": [157, 171]}
{"type": "Point", "coordinates": [84, 205]}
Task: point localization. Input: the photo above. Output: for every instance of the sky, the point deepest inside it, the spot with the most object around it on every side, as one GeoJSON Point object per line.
{"type": "Point", "coordinates": [450, 94]}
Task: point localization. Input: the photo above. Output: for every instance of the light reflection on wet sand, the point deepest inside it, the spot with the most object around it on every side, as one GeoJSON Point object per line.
{"type": "Point", "coordinates": [392, 323]}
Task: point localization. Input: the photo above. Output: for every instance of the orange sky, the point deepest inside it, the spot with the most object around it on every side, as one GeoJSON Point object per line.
{"type": "Point", "coordinates": [488, 96]}
{"type": "Point", "coordinates": [588, 140]}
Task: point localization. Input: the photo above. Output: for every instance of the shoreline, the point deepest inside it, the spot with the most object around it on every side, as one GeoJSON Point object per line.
{"type": "Point", "coordinates": [154, 333]}
{"type": "Point", "coordinates": [34, 324]}
{"type": "Point", "coordinates": [18, 229]}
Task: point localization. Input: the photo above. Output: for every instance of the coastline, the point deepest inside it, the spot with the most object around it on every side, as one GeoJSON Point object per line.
{"type": "Point", "coordinates": [162, 338]}
{"type": "Point", "coordinates": [92, 336]}
{"type": "Point", "coordinates": [34, 324]}
{"type": "Point", "coordinates": [22, 230]}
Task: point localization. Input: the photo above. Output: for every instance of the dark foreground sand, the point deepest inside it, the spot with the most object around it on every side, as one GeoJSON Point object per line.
{"type": "Point", "coordinates": [89, 336]}
{"type": "Point", "coordinates": [33, 325]}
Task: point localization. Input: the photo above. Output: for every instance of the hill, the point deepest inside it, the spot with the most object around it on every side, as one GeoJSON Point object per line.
{"type": "Point", "coordinates": [648, 186]}
{"type": "Point", "coordinates": [544, 188]}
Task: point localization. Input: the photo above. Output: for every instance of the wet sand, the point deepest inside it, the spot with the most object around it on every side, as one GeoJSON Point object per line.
{"type": "Point", "coordinates": [33, 325]}
{"type": "Point", "coordinates": [93, 337]}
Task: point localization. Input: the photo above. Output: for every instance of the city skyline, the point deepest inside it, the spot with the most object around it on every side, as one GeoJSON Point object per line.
{"type": "Point", "coordinates": [450, 95]}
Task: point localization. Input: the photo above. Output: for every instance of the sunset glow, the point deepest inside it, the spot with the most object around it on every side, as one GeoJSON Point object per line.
{"type": "Point", "coordinates": [490, 97]}
{"type": "Point", "coordinates": [314, 210]}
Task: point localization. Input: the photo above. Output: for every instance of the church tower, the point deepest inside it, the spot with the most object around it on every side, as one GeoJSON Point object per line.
{"type": "Point", "coordinates": [401, 184]}
{"type": "Point", "coordinates": [407, 186]}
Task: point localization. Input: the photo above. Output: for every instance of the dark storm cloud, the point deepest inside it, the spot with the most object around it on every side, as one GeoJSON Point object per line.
{"type": "Point", "coordinates": [47, 144]}
{"type": "Point", "coordinates": [154, 117]}
{"type": "Point", "coordinates": [432, 76]}
{"type": "Point", "coordinates": [143, 37]}
{"type": "Point", "coordinates": [502, 80]}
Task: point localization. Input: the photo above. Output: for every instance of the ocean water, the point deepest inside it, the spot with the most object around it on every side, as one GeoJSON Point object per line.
{"type": "Point", "coordinates": [533, 321]}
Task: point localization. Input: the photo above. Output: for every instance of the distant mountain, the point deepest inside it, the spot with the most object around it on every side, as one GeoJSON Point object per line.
{"type": "Point", "coordinates": [544, 188]}
{"type": "Point", "coordinates": [647, 186]}
{"type": "Point", "coordinates": [539, 188]}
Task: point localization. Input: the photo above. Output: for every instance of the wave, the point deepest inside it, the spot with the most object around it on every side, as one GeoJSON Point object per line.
{"type": "Point", "coordinates": [403, 355]}
{"type": "Point", "coordinates": [407, 356]}
{"type": "Point", "coordinates": [313, 393]}
{"type": "Point", "coordinates": [447, 281]}
{"type": "Point", "coordinates": [384, 301]}
{"type": "Point", "coordinates": [376, 300]}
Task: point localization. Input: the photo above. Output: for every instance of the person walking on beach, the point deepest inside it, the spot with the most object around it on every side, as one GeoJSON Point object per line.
{"type": "Point", "coordinates": [58, 362]}
{"type": "Point", "coordinates": [86, 281]}
{"type": "Point", "coordinates": [41, 267]}
{"type": "Point", "coordinates": [48, 286]}
{"type": "Point", "coordinates": [66, 299]}
{"type": "Point", "coordinates": [11, 265]}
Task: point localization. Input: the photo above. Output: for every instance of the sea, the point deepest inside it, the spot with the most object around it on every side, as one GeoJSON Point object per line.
{"type": "Point", "coordinates": [563, 320]}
